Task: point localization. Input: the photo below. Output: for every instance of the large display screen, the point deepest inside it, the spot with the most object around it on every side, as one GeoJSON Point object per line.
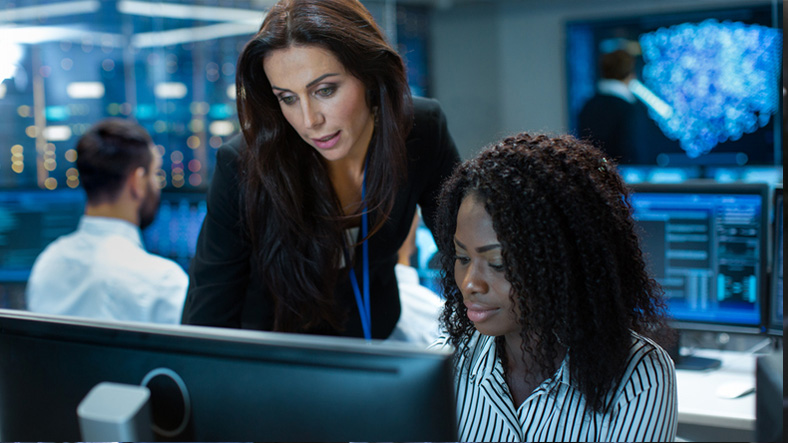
{"type": "Point", "coordinates": [708, 83]}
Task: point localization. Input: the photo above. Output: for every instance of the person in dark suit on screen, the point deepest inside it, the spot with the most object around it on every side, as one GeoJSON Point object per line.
{"type": "Point", "coordinates": [610, 119]}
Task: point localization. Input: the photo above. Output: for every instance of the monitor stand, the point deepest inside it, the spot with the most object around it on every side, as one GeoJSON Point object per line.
{"type": "Point", "coordinates": [690, 362]}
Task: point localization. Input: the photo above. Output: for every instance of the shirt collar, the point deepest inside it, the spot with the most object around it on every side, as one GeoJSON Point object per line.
{"type": "Point", "coordinates": [483, 354]}
{"type": "Point", "coordinates": [615, 88]}
{"type": "Point", "coordinates": [111, 226]}
{"type": "Point", "coordinates": [485, 357]}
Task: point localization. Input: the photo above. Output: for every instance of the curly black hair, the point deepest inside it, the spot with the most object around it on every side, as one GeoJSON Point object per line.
{"type": "Point", "coordinates": [562, 215]}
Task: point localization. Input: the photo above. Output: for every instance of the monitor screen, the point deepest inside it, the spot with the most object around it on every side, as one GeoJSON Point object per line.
{"type": "Point", "coordinates": [707, 84]}
{"type": "Point", "coordinates": [776, 290]}
{"type": "Point", "coordinates": [173, 233]}
{"type": "Point", "coordinates": [242, 385]}
{"type": "Point", "coordinates": [30, 219]}
{"type": "Point", "coordinates": [706, 245]}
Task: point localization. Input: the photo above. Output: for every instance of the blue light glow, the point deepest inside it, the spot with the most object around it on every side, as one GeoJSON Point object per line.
{"type": "Point", "coordinates": [720, 79]}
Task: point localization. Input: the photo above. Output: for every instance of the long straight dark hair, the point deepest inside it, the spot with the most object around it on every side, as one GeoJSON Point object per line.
{"type": "Point", "coordinates": [291, 212]}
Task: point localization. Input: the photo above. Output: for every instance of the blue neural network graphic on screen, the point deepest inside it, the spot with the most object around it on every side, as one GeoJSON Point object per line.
{"type": "Point", "coordinates": [718, 80]}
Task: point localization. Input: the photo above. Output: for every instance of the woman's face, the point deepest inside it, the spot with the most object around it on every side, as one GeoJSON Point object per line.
{"type": "Point", "coordinates": [479, 271]}
{"type": "Point", "coordinates": [324, 103]}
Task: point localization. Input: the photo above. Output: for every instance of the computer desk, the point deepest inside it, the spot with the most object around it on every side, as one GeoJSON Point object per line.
{"type": "Point", "coordinates": [703, 414]}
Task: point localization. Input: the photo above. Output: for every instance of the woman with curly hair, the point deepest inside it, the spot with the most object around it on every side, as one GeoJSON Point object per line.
{"type": "Point", "coordinates": [548, 302]}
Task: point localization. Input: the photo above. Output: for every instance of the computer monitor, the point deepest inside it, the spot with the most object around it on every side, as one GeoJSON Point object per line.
{"type": "Point", "coordinates": [242, 385]}
{"type": "Point", "coordinates": [173, 233]}
{"type": "Point", "coordinates": [776, 325]}
{"type": "Point", "coordinates": [706, 244]}
{"type": "Point", "coordinates": [30, 219]}
{"type": "Point", "coordinates": [769, 396]}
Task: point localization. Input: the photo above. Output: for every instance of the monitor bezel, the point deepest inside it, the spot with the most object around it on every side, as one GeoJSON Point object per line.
{"type": "Point", "coordinates": [333, 353]}
{"type": "Point", "coordinates": [712, 187]}
{"type": "Point", "coordinates": [773, 328]}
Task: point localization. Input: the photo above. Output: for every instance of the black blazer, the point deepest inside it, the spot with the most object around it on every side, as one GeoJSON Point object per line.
{"type": "Point", "coordinates": [223, 290]}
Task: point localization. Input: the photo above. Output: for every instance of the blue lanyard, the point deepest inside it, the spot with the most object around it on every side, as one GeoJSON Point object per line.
{"type": "Point", "coordinates": [363, 303]}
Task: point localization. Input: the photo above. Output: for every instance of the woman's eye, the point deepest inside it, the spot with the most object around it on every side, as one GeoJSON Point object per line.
{"type": "Point", "coordinates": [497, 268]}
{"type": "Point", "coordinates": [326, 92]}
{"type": "Point", "coordinates": [287, 99]}
{"type": "Point", "coordinates": [461, 260]}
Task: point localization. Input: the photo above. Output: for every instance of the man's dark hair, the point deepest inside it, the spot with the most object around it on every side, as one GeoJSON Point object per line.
{"type": "Point", "coordinates": [616, 65]}
{"type": "Point", "coordinates": [108, 153]}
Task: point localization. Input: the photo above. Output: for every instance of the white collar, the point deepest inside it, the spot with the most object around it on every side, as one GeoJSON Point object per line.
{"type": "Point", "coordinates": [111, 226]}
{"type": "Point", "coordinates": [616, 88]}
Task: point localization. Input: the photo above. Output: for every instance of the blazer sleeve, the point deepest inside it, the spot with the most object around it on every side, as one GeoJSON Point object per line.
{"type": "Point", "coordinates": [220, 271]}
{"type": "Point", "coordinates": [442, 161]}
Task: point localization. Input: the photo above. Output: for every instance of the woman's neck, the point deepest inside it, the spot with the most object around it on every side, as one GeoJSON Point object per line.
{"type": "Point", "coordinates": [347, 177]}
{"type": "Point", "coordinates": [523, 374]}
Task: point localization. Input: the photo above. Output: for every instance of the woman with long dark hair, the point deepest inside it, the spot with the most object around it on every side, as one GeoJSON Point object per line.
{"type": "Point", "coordinates": [548, 301]}
{"type": "Point", "coordinates": [306, 211]}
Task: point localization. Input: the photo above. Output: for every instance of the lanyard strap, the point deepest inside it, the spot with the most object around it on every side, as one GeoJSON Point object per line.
{"type": "Point", "coordinates": [363, 302]}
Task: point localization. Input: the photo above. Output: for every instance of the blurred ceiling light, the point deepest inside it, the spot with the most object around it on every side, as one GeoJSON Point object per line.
{"type": "Point", "coordinates": [85, 90]}
{"type": "Point", "coordinates": [10, 56]}
{"type": "Point", "coordinates": [170, 90]}
{"type": "Point", "coordinates": [221, 127]}
{"type": "Point", "coordinates": [57, 133]}
{"type": "Point", "coordinates": [198, 33]}
{"type": "Point", "coordinates": [39, 34]}
{"type": "Point", "coordinates": [188, 12]}
{"type": "Point", "coordinates": [49, 10]}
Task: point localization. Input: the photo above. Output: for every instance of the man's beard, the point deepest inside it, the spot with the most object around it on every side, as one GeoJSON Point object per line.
{"type": "Point", "coordinates": [149, 207]}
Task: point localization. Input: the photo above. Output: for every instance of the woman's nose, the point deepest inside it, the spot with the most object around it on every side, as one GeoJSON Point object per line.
{"type": "Point", "coordinates": [312, 115]}
{"type": "Point", "coordinates": [473, 281]}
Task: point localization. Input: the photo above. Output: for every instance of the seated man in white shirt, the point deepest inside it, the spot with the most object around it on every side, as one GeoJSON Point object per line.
{"type": "Point", "coordinates": [102, 270]}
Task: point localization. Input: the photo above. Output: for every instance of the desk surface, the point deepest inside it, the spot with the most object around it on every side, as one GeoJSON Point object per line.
{"type": "Point", "coordinates": [699, 403]}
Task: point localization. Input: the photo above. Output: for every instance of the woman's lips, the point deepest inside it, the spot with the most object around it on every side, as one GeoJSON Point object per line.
{"type": "Point", "coordinates": [327, 142]}
{"type": "Point", "coordinates": [477, 313]}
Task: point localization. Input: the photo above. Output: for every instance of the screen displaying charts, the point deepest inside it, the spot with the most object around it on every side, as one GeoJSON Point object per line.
{"type": "Point", "coordinates": [706, 245]}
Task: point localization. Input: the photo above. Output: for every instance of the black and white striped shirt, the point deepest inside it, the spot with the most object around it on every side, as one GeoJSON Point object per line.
{"type": "Point", "coordinates": [644, 400]}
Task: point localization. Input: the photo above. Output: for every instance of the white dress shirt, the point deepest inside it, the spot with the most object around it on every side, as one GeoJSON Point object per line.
{"type": "Point", "coordinates": [421, 308]}
{"type": "Point", "coordinates": [102, 271]}
{"type": "Point", "coordinates": [644, 400]}
{"type": "Point", "coordinates": [616, 88]}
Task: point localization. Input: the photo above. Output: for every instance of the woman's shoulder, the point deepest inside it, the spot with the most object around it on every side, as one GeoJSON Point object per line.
{"type": "Point", "coordinates": [649, 368]}
{"type": "Point", "coordinates": [649, 361]}
{"type": "Point", "coordinates": [642, 345]}
{"type": "Point", "coordinates": [233, 146]}
{"type": "Point", "coordinates": [426, 110]}
{"type": "Point", "coordinates": [430, 132]}
{"type": "Point", "coordinates": [228, 162]}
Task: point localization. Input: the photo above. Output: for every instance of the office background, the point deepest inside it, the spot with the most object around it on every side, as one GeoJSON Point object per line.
{"type": "Point", "coordinates": [513, 68]}
{"type": "Point", "coordinates": [496, 66]}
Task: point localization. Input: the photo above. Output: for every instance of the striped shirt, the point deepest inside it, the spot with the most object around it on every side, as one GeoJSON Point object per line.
{"type": "Point", "coordinates": [643, 401]}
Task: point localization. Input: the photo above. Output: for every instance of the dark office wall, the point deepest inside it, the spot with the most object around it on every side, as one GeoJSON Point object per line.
{"type": "Point", "coordinates": [465, 72]}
